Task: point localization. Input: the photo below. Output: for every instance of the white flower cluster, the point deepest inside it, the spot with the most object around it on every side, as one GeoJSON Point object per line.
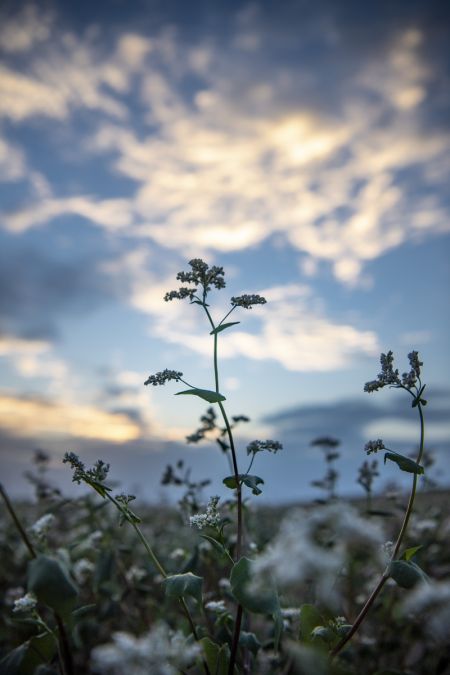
{"type": "Point", "coordinates": [210, 518]}
{"type": "Point", "coordinates": [160, 652]}
{"type": "Point", "coordinates": [314, 547]}
{"type": "Point", "coordinates": [83, 570]}
{"type": "Point", "coordinates": [216, 606]}
{"type": "Point", "coordinates": [25, 604]}
{"type": "Point", "coordinates": [41, 527]}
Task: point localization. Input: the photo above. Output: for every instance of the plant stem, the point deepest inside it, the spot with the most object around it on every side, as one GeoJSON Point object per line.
{"type": "Point", "coordinates": [237, 624]}
{"type": "Point", "coordinates": [64, 652]}
{"type": "Point", "coordinates": [161, 570]}
{"type": "Point", "coordinates": [17, 523]}
{"type": "Point", "coordinates": [360, 618]}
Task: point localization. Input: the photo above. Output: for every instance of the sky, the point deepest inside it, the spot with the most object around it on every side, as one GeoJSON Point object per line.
{"type": "Point", "coordinates": [303, 146]}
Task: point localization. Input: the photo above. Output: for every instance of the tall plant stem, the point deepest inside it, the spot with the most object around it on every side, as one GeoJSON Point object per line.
{"type": "Point", "coordinates": [385, 576]}
{"type": "Point", "coordinates": [162, 571]}
{"type": "Point", "coordinates": [239, 610]}
{"type": "Point", "coordinates": [64, 652]}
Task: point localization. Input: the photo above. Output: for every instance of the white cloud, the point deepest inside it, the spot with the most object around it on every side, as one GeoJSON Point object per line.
{"type": "Point", "coordinates": [229, 169]}
{"type": "Point", "coordinates": [25, 30]}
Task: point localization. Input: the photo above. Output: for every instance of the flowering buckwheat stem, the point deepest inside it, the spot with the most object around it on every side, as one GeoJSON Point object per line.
{"type": "Point", "coordinates": [361, 616]}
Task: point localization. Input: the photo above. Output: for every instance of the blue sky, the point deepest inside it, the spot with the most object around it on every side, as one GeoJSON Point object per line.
{"type": "Point", "coordinates": [302, 146]}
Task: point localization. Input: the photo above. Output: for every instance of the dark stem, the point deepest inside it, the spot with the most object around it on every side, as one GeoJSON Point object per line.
{"type": "Point", "coordinates": [400, 538]}
{"type": "Point", "coordinates": [65, 654]}
{"type": "Point", "coordinates": [235, 643]}
{"type": "Point", "coordinates": [17, 523]}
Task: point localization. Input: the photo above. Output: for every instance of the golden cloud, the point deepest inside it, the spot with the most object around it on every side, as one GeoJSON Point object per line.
{"type": "Point", "coordinates": [32, 417]}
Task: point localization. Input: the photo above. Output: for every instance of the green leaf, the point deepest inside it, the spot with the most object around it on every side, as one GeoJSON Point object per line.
{"type": "Point", "coordinates": [250, 642]}
{"type": "Point", "coordinates": [179, 585]}
{"type": "Point", "coordinates": [261, 601]}
{"type": "Point", "coordinates": [41, 649]}
{"type": "Point", "coordinates": [11, 663]}
{"type": "Point", "coordinates": [404, 463]}
{"type": "Point", "coordinates": [411, 552]}
{"type": "Point", "coordinates": [220, 548]}
{"type": "Point", "coordinates": [406, 573]}
{"type": "Point", "coordinates": [310, 618]}
{"type": "Point", "coordinates": [205, 394]}
{"type": "Point", "coordinates": [248, 480]}
{"type": "Point", "coordinates": [222, 327]}
{"type": "Point", "coordinates": [308, 659]}
{"type": "Point", "coordinates": [50, 582]}
{"type": "Point", "coordinates": [217, 657]}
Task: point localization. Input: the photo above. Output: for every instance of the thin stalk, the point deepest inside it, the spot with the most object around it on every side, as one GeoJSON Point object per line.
{"type": "Point", "coordinates": [239, 610]}
{"type": "Point", "coordinates": [64, 652]}
{"type": "Point", "coordinates": [360, 618]}
{"type": "Point", "coordinates": [17, 523]}
{"type": "Point", "coordinates": [163, 573]}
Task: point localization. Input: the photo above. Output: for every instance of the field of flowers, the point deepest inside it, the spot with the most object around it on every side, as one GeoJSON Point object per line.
{"type": "Point", "coordinates": [102, 585]}
{"type": "Point", "coordinates": [123, 620]}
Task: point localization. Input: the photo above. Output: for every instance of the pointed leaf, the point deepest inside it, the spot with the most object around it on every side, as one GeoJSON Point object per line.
{"type": "Point", "coordinates": [217, 657]}
{"type": "Point", "coordinates": [404, 463]}
{"type": "Point", "coordinates": [411, 552]}
{"type": "Point", "coordinates": [220, 548]}
{"type": "Point", "coordinates": [222, 327]}
{"type": "Point", "coordinates": [50, 582]}
{"type": "Point", "coordinates": [248, 480]}
{"type": "Point", "coordinates": [205, 394]}
{"type": "Point", "coordinates": [179, 585]}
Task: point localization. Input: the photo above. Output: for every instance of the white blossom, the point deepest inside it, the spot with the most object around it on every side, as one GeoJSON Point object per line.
{"type": "Point", "coordinates": [82, 570]}
{"type": "Point", "coordinates": [210, 518]}
{"type": "Point", "coordinates": [25, 604]}
{"type": "Point", "coordinates": [217, 606]}
{"type": "Point", "coordinates": [314, 546]}
{"type": "Point", "coordinates": [42, 526]}
{"type": "Point", "coordinates": [160, 652]}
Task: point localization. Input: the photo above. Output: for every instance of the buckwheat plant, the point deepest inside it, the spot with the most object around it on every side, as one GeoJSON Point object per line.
{"type": "Point", "coordinates": [401, 568]}
{"type": "Point", "coordinates": [198, 283]}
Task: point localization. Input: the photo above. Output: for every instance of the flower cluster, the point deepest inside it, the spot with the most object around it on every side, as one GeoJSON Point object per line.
{"type": "Point", "coordinates": [374, 446]}
{"type": "Point", "coordinates": [41, 527]}
{"type": "Point", "coordinates": [246, 301]}
{"type": "Point", "coordinates": [25, 604]}
{"type": "Point", "coordinates": [216, 606]}
{"type": "Point", "coordinates": [367, 472]}
{"type": "Point", "coordinates": [389, 376]}
{"type": "Point", "coordinates": [200, 275]}
{"type": "Point", "coordinates": [160, 652]}
{"type": "Point", "coordinates": [409, 380]}
{"type": "Point", "coordinates": [258, 446]}
{"type": "Point", "coordinates": [210, 518]}
{"type": "Point", "coordinates": [97, 474]}
{"type": "Point", "coordinates": [163, 376]}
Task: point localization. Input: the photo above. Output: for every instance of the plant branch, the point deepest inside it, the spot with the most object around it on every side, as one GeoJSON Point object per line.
{"type": "Point", "coordinates": [360, 618]}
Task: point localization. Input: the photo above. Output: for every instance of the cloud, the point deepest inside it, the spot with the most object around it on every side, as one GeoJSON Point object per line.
{"type": "Point", "coordinates": [67, 73]}
{"type": "Point", "coordinates": [39, 419]}
{"type": "Point", "coordinates": [290, 329]}
{"type": "Point", "coordinates": [240, 158]}
{"type": "Point", "coordinates": [25, 30]}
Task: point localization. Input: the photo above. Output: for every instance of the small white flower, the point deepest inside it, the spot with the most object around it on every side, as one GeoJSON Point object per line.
{"type": "Point", "coordinates": [25, 604]}
{"type": "Point", "coordinates": [82, 570]}
{"type": "Point", "coordinates": [160, 652]}
{"type": "Point", "coordinates": [135, 574]}
{"type": "Point", "coordinates": [42, 526]}
{"type": "Point", "coordinates": [210, 518]}
{"type": "Point", "coordinates": [217, 606]}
